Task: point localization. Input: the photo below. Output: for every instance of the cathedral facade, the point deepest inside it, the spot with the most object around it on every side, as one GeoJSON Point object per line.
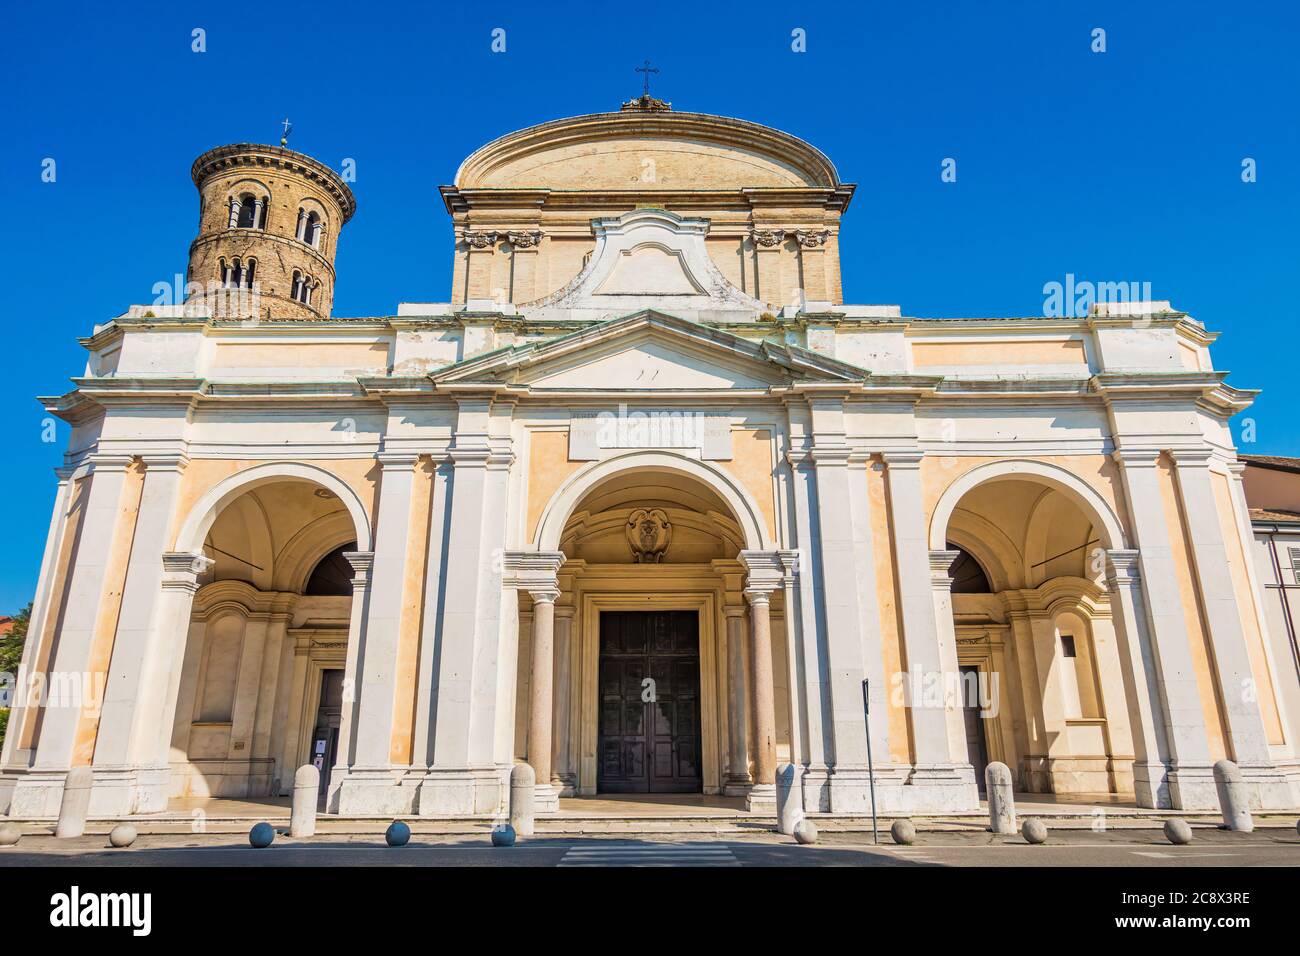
{"type": "Point", "coordinates": [645, 505]}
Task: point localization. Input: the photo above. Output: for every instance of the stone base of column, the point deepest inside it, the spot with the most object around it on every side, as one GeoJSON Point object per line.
{"type": "Point", "coordinates": [462, 793]}
{"type": "Point", "coordinates": [737, 785]}
{"type": "Point", "coordinates": [565, 784]}
{"type": "Point", "coordinates": [546, 799]}
{"type": "Point", "coordinates": [1270, 788]}
{"type": "Point", "coordinates": [850, 789]}
{"type": "Point", "coordinates": [115, 792]}
{"type": "Point", "coordinates": [816, 784]}
{"type": "Point", "coordinates": [1192, 788]}
{"type": "Point", "coordinates": [946, 786]}
{"type": "Point", "coordinates": [761, 798]}
{"type": "Point", "coordinates": [1151, 786]}
{"type": "Point", "coordinates": [373, 791]}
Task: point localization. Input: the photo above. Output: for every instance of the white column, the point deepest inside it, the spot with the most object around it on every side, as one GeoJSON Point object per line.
{"type": "Point", "coordinates": [762, 795]}
{"type": "Point", "coordinates": [431, 620]}
{"type": "Point", "coordinates": [562, 778]}
{"type": "Point", "coordinates": [535, 572]}
{"type": "Point", "coordinates": [150, 640]}
{"type": "Point", "coordinates": [1189, 777]}
{"type": "Point", "coordinates": [942, 775]}
{"type": "Point", "coordinates": [1141, 683]}
{"type": "Point", "coordinates": [257, 212]}
{"type": "Point", "coordinates": [738, 779]}
{"type": "Point", "coordinates": [370, 785]}
{"type": "Point", "coordinates": [465, 775]}
{"type": "Point", "coordinates": [541, 714]}
{"type": "Point", "coordinates": [806, 644]}
{"type": "Point", "coordinates": [362, 562]}
{"type": "Point", "coordinates": [72, 654]}
{"type": "Point", "coordinates": [1248, 740]}
{"type": "Point", "coordinates": [234, 212]}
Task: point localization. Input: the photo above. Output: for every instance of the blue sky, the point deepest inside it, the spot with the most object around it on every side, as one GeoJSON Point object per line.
{"type": "Point", "coordinates": [1115, 166]}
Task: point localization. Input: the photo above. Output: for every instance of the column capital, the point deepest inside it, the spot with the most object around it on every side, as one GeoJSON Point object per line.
{"type": "Point", "coordinates": [565, 612]}
{"type": "Point", "coordinates": [181, 569]}
{"type": "Point", "coordinates": [1136, 457]}
{"type": "Point", "coordinates": [532, 571]}
{"type": "Point", "coordinates": [397, 460]}
{"type": "Point", "coordinates": [361, 562]}
{"type": "Point", "coordinates": [734, 611]}
{"type": "Point", "coordinates": [525, 240]}
{"type": "Point", "coordinates": [1191, 457]}
{"type": "Point", "coordinates": [902, 459]}
{"type": "Point", "coordinates": [479, 239]}
{"type": "Point", "coordinates": [544, 595]}
{"type": "Point", "coordinates": [758, 597]}
{"type": "Point", "coordinates": [941, 563]}
{"type": "Point", "coordinates": [1123, 568]}
{"type": "Point", "coordinates": [765, 571]}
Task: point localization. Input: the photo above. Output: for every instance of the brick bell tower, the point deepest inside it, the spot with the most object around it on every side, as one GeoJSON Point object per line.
{"type": "Point", "coordinates": [269, 223]}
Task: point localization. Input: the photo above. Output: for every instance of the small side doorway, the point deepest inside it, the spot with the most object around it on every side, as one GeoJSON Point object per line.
{"type": "Point", "coordinates": [325, 738]}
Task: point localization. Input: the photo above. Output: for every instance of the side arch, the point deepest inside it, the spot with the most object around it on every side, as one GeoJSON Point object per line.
{"type": "Point", "coordinates": [743, 507]}
{"type": "Point", "coordinates": [199, 521]}
{"type": "Point", "coordinates": [1080, 492]}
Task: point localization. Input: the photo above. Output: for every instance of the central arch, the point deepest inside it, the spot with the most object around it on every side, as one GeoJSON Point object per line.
{"type": "Point", "coordinates": [745, 510]}
{"type": "Point", "coordinates": [613, 595]}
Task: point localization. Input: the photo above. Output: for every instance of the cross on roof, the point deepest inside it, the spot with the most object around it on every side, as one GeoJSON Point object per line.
{"type": "Point", "coordinates": [647, 70]}
{"type": "Point", "coordinates": [288, 128]}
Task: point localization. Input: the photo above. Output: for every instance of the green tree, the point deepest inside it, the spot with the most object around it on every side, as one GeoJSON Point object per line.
{"type": "Point", "coordinates": [11, 654]}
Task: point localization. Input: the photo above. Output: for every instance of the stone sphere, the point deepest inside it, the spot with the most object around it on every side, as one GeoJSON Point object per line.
{"type": "Point", "coordinates": [504, 835]}
{"type": "Point", "coordinates": [10, 833]}
{"type": "Point", "coordinates": [903, 832]}
{"type": "Point", "coordinates": [1178, 832]}
{"type": "Point", "coordinates": [1034, 831]}
{"type": "Point", "coordinates": [397, 834]}
{"type": "Point", "coordinates": [261, 835]}
{"type": "Point", "coordinates": [805, 832]}
{"type": "Point", "coordinates": [122, 835]}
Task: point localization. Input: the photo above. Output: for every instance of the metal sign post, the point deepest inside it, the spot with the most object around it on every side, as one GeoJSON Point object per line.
{"type": "Point", "coordinates": [871, 773]}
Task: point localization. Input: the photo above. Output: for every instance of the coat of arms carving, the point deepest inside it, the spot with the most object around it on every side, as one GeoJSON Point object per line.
{"type": "Point", "coordinates": [648, 533]}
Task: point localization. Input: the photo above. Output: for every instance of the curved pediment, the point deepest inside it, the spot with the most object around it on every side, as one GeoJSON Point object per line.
{"type": "Point", "coordinates": [636, 150]}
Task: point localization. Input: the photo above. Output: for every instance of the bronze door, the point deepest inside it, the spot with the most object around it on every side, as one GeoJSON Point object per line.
{"type": "Point", "coordinates": [649, 725]}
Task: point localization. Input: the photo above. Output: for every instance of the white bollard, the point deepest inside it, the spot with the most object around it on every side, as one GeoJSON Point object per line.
{"type": "Point", "coordinates": [306, 794]}
{"type": "Point", "coordinates": [1002, 803]}
{"type": "Point", "coordinates": [789, 800]}
{"type": "Point", "coordinates": [1234, 799]}
{"type": "Point", "coordinates": [76, 802]}
{"type": "Point", "coordinates": [523, 788]}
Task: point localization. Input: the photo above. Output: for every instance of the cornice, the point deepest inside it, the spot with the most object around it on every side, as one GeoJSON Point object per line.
{"type": "Point", "coordinates": [223, 159]}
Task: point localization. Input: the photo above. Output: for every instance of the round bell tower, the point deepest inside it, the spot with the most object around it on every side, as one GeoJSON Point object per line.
{"type": "Point", "coordinates": [269, 222]}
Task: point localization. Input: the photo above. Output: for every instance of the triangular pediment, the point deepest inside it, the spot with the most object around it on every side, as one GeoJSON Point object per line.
{"type": "Point", "coordinates": [650, 350]}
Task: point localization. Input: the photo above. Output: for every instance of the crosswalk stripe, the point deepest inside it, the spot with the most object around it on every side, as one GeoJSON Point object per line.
{"type": "Point", "coordinates": [645, 856]}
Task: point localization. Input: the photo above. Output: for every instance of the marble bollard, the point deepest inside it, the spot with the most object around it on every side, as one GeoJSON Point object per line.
{"type": "Point", "coordinates": [1002, 804]}
{"type": "Point", "coordinates": [523, 787]}
{"type": "Point", "coordinates": [306, 793]}
{"type": "Point", "coordinates": [76, 802]}
{"type": "Point", "coordinates": [789, 799]}
{"type": "Point", "coordinates": [1234, 798]}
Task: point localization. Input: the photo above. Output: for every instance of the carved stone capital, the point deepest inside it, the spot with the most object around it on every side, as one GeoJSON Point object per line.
{"type": "Point", "coordinates": [525, 240]}
{"type": "Point", "coordinates": [767, 238]}
{"type": "Point", "coordinates": [812, 238]}
{"type": "Point", "coordinates": [479, 240]}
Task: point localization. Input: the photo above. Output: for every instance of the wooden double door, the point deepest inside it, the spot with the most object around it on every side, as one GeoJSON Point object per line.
{"type": "Point", "coordinates": [649, 723]}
